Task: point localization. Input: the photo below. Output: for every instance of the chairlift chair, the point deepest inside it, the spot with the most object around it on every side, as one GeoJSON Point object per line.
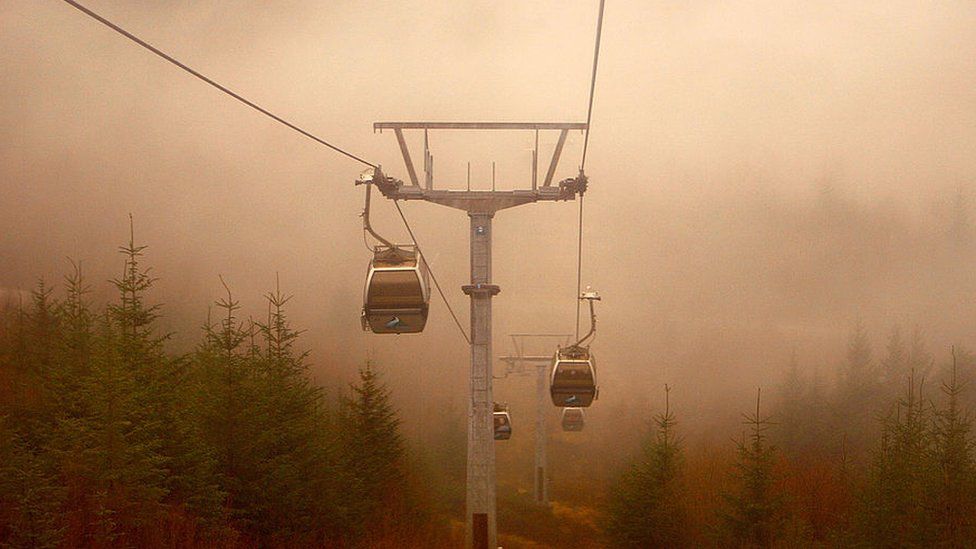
{"type": "Point", "coordinates": [573, 419]}
{"type": "Point", "coordinates": [502, 422]}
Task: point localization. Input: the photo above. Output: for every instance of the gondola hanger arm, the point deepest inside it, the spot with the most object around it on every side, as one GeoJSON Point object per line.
{"type": "Point", "coordinates": [591, 296]}
{"type": "Point", "coordinates": [367, 178]}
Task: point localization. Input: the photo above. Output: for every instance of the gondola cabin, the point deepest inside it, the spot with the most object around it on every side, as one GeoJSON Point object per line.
{"type": "Point", "coordinates": [573, 381]}
{"type": "Point", "coordinates": [573, 419]}
{"type": "Point", "coordinates": [502, 422]}
{"type": "Point", "coordinates": [397, 294]}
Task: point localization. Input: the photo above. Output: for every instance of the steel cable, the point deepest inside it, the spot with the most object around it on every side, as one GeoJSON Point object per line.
{"type": "Point", "coordinates": [586, 143]}
{"type": "Point", "coordinates": [207, 80]}
{"type": "Point", "coordinates": [431, 271]}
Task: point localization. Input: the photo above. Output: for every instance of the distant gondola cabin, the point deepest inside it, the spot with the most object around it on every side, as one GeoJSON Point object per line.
{"type": "Point", "coordinates": [572, 419]}
{"type": "Point", "coordinates": [502, 422]}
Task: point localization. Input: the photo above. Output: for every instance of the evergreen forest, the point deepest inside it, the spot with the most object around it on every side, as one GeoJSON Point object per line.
{"type": "Point", "coordinates": [110, 439]}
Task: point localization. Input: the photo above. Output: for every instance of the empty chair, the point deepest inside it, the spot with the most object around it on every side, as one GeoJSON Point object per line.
{"type": "Point", "coordinates": [502, 422]}
{"type": "Point", "coordinates": [573, 419]}
{"type": "Point", "coordinates": [397, 294]}
{"type": "Point", "coordinates": [573, 381]}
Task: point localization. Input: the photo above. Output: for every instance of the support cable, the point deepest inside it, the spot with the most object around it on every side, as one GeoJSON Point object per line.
{"type": "Point", "coordinates": [431, 271]}
{"type": "Point", "coordinates": [579, 267]}
{"type": "Point", "coordinates": [596, 59]}
{"type": "Point", "coordinates": [207, 80]}
{"type": "Point", "coordinates": [586, 142]}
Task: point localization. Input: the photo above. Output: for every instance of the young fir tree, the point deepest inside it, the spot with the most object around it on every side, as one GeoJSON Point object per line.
{"type": "Point", "coordinates": [303, 481]}
{"type": "Point", "coordinates": [374, 448]}
{"type": "Point", "coordinates": [648, 509]}
{"type": "Point", "coordinates": [895, 506]}
{"type": "Point", "coordinates": [755, 511]}
{"type": "Point", "coordinates": [31, 497]}
{"type": "Point", "coordinates": [797, 416]}
{"type": "Point", "coordinates": [954, 494]}
{"type": "Point", "coordinates": [34, 364]}
{"type": "Point", "coordinates": [895, 364]}
{"type": "Point", "coordinates": [859, 396]}
{"type": "Point", "coordinates": [920, 360]}
{"type": "Point", "coordinates": [274, 440]}
{"type": "Point", "coordinates": [223, 377]}
{"type": "Point", "coordinates": [168, 419]}
{"type": "Point", "coordinates": [75, 344]}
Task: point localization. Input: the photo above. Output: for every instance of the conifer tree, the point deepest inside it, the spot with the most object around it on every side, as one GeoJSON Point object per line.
{"type": "Point", "coordinates": [895, 506]}
{"type": "Point", "coordinates": [168, 415]}
{"type": "Point", "coordinates": [222, 374]}
{"type": "Point", "coordinates": [858, 397]}
{"type": "Point", "coordinates": [30, 494]}
{"type": "Point", "coordinates": [954, 494]}
{"type": "Point", "coordinates": [859, 370]}
{"type": "Point", "coordinates": [123, 469]}
{"type": "Point", "coordinates": [75, 344]}
{"type": "Point", "coordinates": [895, 364]}
{"type": "Point", "coordinates": [304, 480]}
{"type": "Point", "coordinates": [374, 447]}
{"type": "Point", "coordinates": [755, 511]}
{"type": "Point", "coordinates": [34, 362]}
{"type": "Point", "coordinates": [648, 509]}
{"type": "Point", "coordinates": [796, 423]}
{"type": "Point", "coordinates": [919, 359]}
{"type": "Point", "coordinates": [275, 444]}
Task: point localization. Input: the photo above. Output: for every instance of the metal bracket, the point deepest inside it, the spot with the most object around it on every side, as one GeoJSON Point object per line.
{"type": "Point", "coordinates": [481, 289]}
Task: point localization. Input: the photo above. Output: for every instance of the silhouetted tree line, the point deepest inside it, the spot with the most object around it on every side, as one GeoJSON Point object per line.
{"type": "Point", "coordinates": [108, 440]}
{"type": "Point", "coordinates": [878, 460]}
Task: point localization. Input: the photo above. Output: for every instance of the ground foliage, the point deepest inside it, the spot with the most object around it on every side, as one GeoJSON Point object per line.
{"type": "Point", "coordinates": [877, 460]}
{"type": "Point", "coordinates": [106, 439]}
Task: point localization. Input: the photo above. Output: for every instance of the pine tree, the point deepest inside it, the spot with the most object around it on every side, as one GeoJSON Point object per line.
{"type": "Point", "coordinates": [275, 443]}
{"type": "Point", "coordinates": [221, 374]}
{"type": "Point", "coordinates": [373, 445]}
{"type": "Point", "coordinates": [75, 343]}
{"type": "Point", "coordinates": [795, 412]}
{"type": "Point", "coordinates": [919, 359]}
{"type": "Point", "coordinates": [34, 363]}
{"type": "Point", "coordinates": [755, 511]}
{"type": "Point", "coordinates": [31, 495]}
{"type": "Point", "coordinates": [954, 494]}
{"type": "Point", "coordinates": [895, 364]}
{"type": "Point", "coordinates": [123, 469]}
{"type": "Point", "coordinates": [895, 510]}
{"type": "Point", "coordinates": [304, 481]}
{"type": "Point", "coordinates": [648, 509]}
{"type": "Point", "coordinates": [858, 397]}
{"type": "Point", "coordinates": [860, 373]}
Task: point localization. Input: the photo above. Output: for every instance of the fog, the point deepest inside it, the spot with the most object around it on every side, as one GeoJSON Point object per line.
{"type": "Point", "coordinates": [761, 176]}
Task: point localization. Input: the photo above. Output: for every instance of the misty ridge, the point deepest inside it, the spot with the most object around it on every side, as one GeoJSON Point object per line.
{"type": "Point", "coordinates": [781, 221]}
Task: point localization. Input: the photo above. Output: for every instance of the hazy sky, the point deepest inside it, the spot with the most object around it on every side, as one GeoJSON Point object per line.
{"type": "Point", "coordinates": [762, 173]}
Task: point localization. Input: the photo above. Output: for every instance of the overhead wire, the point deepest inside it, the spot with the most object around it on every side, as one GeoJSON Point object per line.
{"type": "Point", "coordinates": [172, 60]}
{"type": "Point", "coordinates": [586, 143]}
{"type": "Point", "coordinates": [163, 55]}
{"type": "Point", "coordinates": [596, 59]}
{"type": "Point", "coordinates": [437, 285]}
{"type": "Point", "coordinates": [211, 82]}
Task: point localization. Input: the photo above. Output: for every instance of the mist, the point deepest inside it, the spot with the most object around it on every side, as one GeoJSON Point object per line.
{"type": "Point", "coordinates": [763, 177]}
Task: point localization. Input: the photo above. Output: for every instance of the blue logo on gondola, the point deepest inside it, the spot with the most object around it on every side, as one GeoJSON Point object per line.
{"type": "Point", "coordinates": [395, 322]}
{"type": "Point", "coordinates": [571, 400]}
